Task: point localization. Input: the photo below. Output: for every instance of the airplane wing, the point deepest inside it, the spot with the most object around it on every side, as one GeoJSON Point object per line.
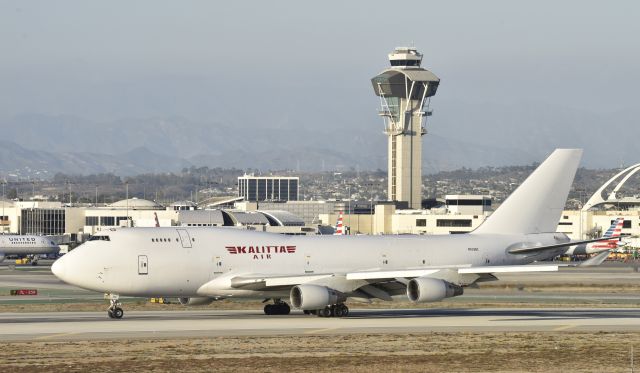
{"type": "Point", "coordinates": [412, 273]}
{"type": "Point", "coordinates": [531, 249]}
{"type": "Point", "coordinates": [256, 282]}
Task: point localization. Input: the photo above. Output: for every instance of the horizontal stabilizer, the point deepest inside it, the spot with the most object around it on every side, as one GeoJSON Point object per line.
{"type": "Point", "coordinates": [525, 250]}
{"type": "Point", "coordinates": [596, 260]}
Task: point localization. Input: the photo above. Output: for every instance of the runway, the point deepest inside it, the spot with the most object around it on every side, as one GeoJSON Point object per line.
{"type": "Point", "coordinates": [184, 324]}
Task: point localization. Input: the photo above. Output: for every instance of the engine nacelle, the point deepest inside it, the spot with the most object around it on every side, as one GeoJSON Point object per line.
{"type": "Point", "coordinates": [197, 301]}
{"type": "Point", "coordinates": [314, 297]}
{"type": "Point", "coordinates": [426, 289]}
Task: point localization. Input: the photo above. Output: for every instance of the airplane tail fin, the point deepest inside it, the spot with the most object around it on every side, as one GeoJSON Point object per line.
{"type": "Point", "coordinates": [536, 205]}
{"type": "Point", "coordinates": [615, 229]}
{"type": "Point", "coordinates": [339, 226]}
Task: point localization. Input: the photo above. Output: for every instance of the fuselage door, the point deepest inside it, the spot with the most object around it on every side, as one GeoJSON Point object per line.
{"type": "Point", "coordinates": [307, 264]}
{"type": "Point", "coordinates": [143, 265]}
{"type": "Point", "coordinates": [184, 238]}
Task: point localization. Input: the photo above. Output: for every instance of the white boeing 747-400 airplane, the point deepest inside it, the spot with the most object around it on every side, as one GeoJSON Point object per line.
{"type": "Point", "coordinates": [318, 274]}
{"type": "Point", "coordinates": [27, 246]}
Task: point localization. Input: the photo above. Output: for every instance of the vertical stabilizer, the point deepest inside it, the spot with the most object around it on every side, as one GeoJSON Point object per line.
{"type": "Point", "coordinates": [536, 205]}
{"type": "Point", "coordinates": [339, 226]}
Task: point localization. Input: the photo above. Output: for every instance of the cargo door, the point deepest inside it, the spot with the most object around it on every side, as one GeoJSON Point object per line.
{"type": "Point", "coordinates": [184, 238]}
{"type": "Point", "coordinates": [143, 265]}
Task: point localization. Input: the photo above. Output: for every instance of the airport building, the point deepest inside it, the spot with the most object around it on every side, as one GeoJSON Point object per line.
{"type": "Point", "coordinates": [459, 214]}
{"type": "Point", "coordinates": [268, 188]}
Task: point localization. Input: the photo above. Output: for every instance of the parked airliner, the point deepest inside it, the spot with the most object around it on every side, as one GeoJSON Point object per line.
{"type": "Point", "coordinates": [612, 244]}
{"type": "Point", "coordinates": [27, 246]}
{"type": "Point", "coordinates": [317, 274]}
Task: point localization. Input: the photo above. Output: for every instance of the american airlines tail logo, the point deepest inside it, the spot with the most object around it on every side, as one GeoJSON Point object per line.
{"type": "Point", "coordinates": [261, 252]}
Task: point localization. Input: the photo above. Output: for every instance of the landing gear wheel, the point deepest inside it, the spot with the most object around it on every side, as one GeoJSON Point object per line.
{"type": "Point", "coordinates": [325, 312]}
{"type": "Point", "coordinates": [279, 308]}
{"type": "Point", "coordinates": [118, 313]}
{"type": "Point", "coordinates": [284, 309]}
{"type": "Point", "coordinates": [337, 312]}
{"type": "Point", "coordinates": [342, 310]}
{"type": "Point", "coordinates": [268, 309]}
{"type": "Point", "coordinates": [345, 310]}
{"type": "Point", "coordinates": [115, 311]}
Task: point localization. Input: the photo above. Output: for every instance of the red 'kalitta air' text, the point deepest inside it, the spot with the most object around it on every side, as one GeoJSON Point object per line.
{"type": "Point", "coordinates": [261, 252]}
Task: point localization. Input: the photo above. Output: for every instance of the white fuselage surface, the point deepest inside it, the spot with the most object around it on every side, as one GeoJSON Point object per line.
{"type": "Point", "coordinates": [190, 261]}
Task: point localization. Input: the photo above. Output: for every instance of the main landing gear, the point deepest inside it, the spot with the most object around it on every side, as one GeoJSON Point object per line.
{"type": "Point", "coordinates": [33, 259]}
{"type": "Point", "coordinates": [335, 310]}
{"type": "Point", "coordinates": [277, 308]}
{"type": "Point", "coordinates": [115, 311]}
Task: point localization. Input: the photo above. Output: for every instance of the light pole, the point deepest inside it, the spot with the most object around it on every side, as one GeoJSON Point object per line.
{"type": "Point", "coordinates": [126, 183]}
{"type": "Point", "coordinates": [349, 206]}
{"type": "Point", "coordinates": [371, 206]}
{"type": "Point", "coordinates": [3, 218]}
{"type": "Point", "coordinates": [96, 195]}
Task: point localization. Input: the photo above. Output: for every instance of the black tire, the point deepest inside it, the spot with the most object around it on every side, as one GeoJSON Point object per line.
{"type": "Point", "coordinates": [339, 312]}
{"type": "Point", "coordinates": [118, 313]}
{"type": "Point", "coordinates": [268, 309]}
{"type": "Point", "coordinates": [325, 312]}
{"type": "Point", "coordinates": [306, 312]}
{"type": "Point", "coordinates": [110, 313]}
{"type": "Point", "coordinates": [284, 309]}
{"type": "Point", "coordinates": [345, 311]}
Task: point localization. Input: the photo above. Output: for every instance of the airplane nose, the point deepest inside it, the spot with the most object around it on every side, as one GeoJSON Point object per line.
{"type": "Point", "coordinates": [58, 268]}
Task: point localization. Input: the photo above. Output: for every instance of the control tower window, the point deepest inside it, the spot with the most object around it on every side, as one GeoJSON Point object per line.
{"type": "Point", "coordinates": [405, 63]}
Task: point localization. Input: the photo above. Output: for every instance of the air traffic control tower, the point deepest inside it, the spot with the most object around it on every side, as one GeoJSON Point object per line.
{"type": "Point", "coordinates": [405, 91]}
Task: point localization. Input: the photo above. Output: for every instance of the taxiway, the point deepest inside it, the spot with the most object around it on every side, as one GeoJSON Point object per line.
{"type": "Point", "coordinates": [188, 324]}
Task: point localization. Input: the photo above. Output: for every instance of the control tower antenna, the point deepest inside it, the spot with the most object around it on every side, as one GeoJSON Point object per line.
{"type": "Point", "coordinates": [405, 90]}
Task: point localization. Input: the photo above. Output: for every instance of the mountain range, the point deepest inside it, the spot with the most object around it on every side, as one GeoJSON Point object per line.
{"type": "Point", "coordinates": [460, 135]}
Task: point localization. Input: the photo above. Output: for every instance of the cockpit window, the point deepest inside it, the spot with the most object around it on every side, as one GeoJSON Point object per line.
{"type": "Point", "coordinates": [99, 238]}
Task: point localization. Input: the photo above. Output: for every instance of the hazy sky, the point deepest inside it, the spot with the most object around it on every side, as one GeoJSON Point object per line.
{"type": "Point", "coordinates": [270, 62]}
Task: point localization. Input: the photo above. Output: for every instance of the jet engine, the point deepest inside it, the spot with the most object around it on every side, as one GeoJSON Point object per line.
{"type": "Point", "coordinates": [426, 289]}
{"type": "Point", "coordinates": [314, 297]}
{"type": "Point", "coordinates": [197, 301]}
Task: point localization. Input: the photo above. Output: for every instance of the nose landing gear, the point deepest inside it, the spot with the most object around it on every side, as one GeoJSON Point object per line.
{"type": "Point", "coordinates": [115, 310]}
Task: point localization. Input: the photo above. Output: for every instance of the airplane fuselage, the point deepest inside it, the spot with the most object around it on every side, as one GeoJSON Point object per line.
{"type": "Point", "coordinates": [191, 262]}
